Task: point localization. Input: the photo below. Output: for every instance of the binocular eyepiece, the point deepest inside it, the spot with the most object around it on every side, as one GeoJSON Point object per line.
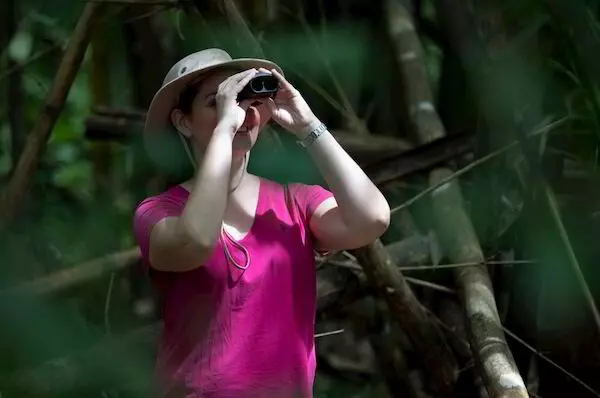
{"type": "Point", "coordinates": [262, 85]}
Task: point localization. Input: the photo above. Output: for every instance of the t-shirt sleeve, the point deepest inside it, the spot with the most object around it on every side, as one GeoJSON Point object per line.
{"type": "Point", "coordinates": [309, 197]}
{"type": "Point", "coordinates": [148, 213]}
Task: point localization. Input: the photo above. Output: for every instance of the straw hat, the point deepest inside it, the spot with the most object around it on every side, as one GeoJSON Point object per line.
{"type": "Point", "coordinates": [158, 130]}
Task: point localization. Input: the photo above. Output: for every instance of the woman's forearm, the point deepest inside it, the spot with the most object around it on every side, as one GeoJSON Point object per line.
{"type": "Point", "coordinates": [202, 216]}
{"type": "Point", "coordinates": [361, 203]}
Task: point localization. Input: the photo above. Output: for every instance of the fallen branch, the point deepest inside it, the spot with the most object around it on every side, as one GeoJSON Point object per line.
{"type": "Point", "coordinates": [410, 251]}
{"type": "Point", "coordinates": [425, 335]}
{"type": "Point", "coordinates": [422, 157]}
{"type": "Point", "coordinates": [77, 275]}
{"type": "Point", "coordinates": [478, 162]}
{"type": "Point", "coordinates": [123, 125]}
{"type": "Point", "coordinates": [338, 287]}
{"type": "Point", "coordinates": [14, 195]}
{"type": "Point", "coordinates": [385, 159]}
{"type": "Point", "coordinates": [454, 229]}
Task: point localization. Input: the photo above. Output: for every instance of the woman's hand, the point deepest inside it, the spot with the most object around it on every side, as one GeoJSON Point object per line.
{"type": "Point", "coordinates": [290, 110]}
{"type": "Point", "coordinates": [230, 113]}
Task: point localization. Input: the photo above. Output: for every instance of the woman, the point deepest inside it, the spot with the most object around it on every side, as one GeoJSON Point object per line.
{"type": "Point", "coordinates": [232, 254]}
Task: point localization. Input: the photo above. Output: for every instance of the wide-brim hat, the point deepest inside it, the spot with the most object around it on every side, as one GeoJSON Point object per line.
{"type": "Point", "coordinates": [158, 130]}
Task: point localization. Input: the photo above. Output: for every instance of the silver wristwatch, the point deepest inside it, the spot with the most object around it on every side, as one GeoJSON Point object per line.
{"type": "Point", "coordinates": [313, 135]}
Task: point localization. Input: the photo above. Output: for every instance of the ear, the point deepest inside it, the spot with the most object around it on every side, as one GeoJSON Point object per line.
{"type": "Point", "coordinates": [180, 122]}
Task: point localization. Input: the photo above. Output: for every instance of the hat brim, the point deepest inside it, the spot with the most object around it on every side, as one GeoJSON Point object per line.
{"type": "Point", "coordinates": [158, 117]}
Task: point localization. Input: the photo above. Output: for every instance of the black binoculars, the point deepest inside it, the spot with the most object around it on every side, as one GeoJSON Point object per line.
{"type": "Point", "coordinates": [262, 85]}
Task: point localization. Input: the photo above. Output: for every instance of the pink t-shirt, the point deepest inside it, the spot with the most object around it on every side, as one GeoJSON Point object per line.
{"type": "Point", "coordinates": [232, 333]}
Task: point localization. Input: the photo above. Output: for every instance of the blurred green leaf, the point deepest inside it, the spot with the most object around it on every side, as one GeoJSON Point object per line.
{"type": "Point", "coordinates": [21, 45]}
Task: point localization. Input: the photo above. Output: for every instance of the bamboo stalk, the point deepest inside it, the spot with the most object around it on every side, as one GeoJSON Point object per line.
{"type": "Point", "coordinates": [454, 229]}
{"type": "Point", "coordinates": [13, 197]}
{"type": "Point", "coordinates": [486, 335]}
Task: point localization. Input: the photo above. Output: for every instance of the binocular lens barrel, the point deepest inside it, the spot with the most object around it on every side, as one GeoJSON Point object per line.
{"type": "Point", "coordinates": [262, 85]}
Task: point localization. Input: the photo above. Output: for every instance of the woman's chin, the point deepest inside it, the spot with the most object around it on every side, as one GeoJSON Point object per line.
{"type": "Point", "coordinates": [243, 141]}
{"type": "Point", "coordinates": [241, 145]}
{"type": "Point", "coordinates": [239, 153]}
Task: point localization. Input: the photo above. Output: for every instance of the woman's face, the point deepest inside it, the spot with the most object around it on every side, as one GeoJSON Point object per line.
{"type": "Point", "coordinates": [202, 119]}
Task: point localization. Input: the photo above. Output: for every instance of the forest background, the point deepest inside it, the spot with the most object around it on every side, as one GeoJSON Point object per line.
{"type": "Point", "coordinates": [478, 119]}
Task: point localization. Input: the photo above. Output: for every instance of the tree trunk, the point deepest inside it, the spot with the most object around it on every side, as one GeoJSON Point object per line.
{"type": "Point", "coordinates": [454, 229]}
{"type": "Point", "coordinates": [101, 152]}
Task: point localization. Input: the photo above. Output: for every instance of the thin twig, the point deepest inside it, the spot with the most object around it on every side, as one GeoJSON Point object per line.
{"type": "Point", "coordinates": [430, 285]}
{"type": "Point", "coordinates": [555, 212]}
{"type": "Point", "coordinates": [535, 352]}
{"type": "Point", "coordinates": [434, 267]}
{"type": "Point", "coordinates": [333, 76]}
{"type": "Point", "coordinates": [237, 20]}
{"type": "Point", "coordinates": [137, 2]}
{"type": "Point", "coordinates": [348, 109]}
{"type": "Point", "coordinates": [329, 333]}
{"type": "Point", "coordinates": [322, 92]}
{"type": "Point", "coordinates": [35, 57]}
{"type": "Point", "coordinates": [107, 303]}
{"type": "Point", "coordinates": [147, 14]}
{"type": "Point", "coordinates": [469, 167]}
{"type": "Point", "coordinates": [551, 362]}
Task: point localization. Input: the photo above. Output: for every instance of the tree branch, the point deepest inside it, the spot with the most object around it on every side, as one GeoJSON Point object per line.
{"type": "Point", "coordinates": [14, 195]}
{"type": "Point", "coordinates": [385, 159]}
{"type": "Point", "coordinates": [424, 333]}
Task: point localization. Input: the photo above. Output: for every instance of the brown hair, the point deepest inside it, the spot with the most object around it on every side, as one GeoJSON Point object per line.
{"type": "Point", "coordinates": [187, 96]}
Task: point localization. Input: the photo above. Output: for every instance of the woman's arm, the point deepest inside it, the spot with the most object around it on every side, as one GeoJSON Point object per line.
{"type": "Point", "coordinates": [359, 213]}
{"type": "Point", "coordinates": [183, 243]}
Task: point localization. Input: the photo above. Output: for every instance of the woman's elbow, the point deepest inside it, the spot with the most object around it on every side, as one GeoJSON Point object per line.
{"type": "Point", "coordinates": [379, 221]}
{"type": "Point", "coordinates": [382, 220]}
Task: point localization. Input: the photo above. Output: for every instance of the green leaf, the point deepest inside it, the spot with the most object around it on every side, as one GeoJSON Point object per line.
{"type": "Point", "coordinates": [20, 46]}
